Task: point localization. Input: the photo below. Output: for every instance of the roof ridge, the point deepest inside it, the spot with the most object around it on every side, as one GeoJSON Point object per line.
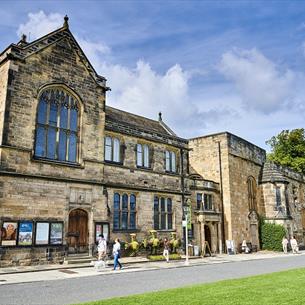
{"type": "Point", "coordinates": [140, 116]}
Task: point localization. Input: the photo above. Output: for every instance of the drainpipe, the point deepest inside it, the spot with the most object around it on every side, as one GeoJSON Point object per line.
{"type": "Point", "coordinates": [182, 176]}
{"type": "Point", "coordinates": [221, 198]}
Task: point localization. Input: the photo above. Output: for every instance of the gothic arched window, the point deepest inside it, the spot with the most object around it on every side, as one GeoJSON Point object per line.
{"type": "Point", "coordinates": [57, 134]}
{"type": "Point", "coordinates": [252, 193]}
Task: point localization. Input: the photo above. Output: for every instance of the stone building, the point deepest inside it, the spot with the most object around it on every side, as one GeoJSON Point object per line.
{"type": "Point", "coordinates": [72, 168]}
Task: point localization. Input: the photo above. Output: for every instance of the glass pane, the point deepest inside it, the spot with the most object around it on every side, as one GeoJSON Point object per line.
{"type": "Point", "coordinates": [210, 205]}
{"type": "Point", "coordinates": [124, 220]}
{"type": "Point", "coordinates": [116, 220]}
{"type": "Point", "coordinates": [167, 161]}
{"type": "Point", "coordinates": [42, 112]}
{"type": "Point", "coordinates": [73, 119]}
{"type": "Point", "coordinates": [116, 150]}
{"type": "Point", "coordinates": [132, 220]}
{"type": "Point", "coordinates": [40, 142]}
{"type": "Point", "coordinates": [199, 200]}
{"type": "Point", "coordinates": [106, 231]}
{"type": "Point", "coordinates": [169, 221]}
{"type": "Point", "coordinates": [108, 150]}
{"type": "Point", "coordinates": [173, 160]}
{"type": "Point", "coordinates": [53, 114]}
{"type": "Point", "coordinates": [132, 202]}
{"type": "Point", "coordinates": [72, 147]}
{"type": "Point", "coordinates": [162, 205]}
{"type": "Point", "coordinates": [125, 202]}
{"type": "Point", "coordinates": [51, 143]}
{"type": "Point", "coordinates": [163, 221]}
{"type": "Point", "coordinates": [146, 156]}
{"type": "Point", "coordinates": [116, 201]}
{"type": "Point", "coordinates": [139, 155]}
{"type": "Point", "coordinates": [63, 116]}
{"type": "Point", "coordinates": [62, 147]}
{"type": "Point", "coordinates": [169, 205]}
{"type": "Point", "coordinates": [205, 201]}
{"type": "Point", "coordinates": [156, 213]}
{"type": "Point", "coordinates": [278, 196]}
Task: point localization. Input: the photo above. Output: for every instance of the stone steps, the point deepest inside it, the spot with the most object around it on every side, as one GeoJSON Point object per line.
{"type": "Point", "coordinates": [78, 259]}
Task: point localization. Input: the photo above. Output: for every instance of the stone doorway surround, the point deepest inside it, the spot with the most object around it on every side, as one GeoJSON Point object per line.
{"type": "Point", "coordinates": [78, 232]}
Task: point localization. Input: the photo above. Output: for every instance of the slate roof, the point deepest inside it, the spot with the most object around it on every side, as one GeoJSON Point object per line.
{"type": "Point", "coordinates": [117, 117]}
{"type": "Point", "coordinates": [276, 173]}
{"type": "Point", "coordinates": [272, 173]}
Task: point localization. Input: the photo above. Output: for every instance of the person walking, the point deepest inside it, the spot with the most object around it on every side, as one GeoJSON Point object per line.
{"type": "Point", "coordinates": [284, 244]}
{"type": "Point", "coordinates": [166, 249]}
{"type": "Point", "coordinates": [116, 254]}
{"type": "Point", "coordinates": [294, 245]}
{"type": "Point", "coordinates": [102, 248]}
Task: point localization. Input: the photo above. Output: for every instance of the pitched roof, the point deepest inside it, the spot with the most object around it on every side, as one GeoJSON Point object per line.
{"type": "Point", "coordinates": [22, 50]}
{"type": "Point", "coordinates": [134, 121]}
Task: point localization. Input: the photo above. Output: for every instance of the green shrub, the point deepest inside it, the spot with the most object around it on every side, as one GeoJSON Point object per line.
{"type": "Point", "coordinates": [271, 236]}
{"type": "Point", "coordinates": [162, 258]}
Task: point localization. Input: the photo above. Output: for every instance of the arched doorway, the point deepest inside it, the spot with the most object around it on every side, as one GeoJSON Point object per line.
{"type": "Point", "coordinates": [207, 235]}
{"type": "Point", "coordinates": [78, 231]}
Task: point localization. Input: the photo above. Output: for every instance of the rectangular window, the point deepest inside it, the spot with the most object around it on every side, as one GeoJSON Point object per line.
{"type": "Point", "coordinates": [278, 199]}
{"type": "Point", "coordinates": [139, 155]}
{"type": "Point", "coordinates": [108, 149]}
{"type": "Point", "coordinates": [173, 162]}
{"type": "Point", "coordinates": [124, 215]}
{"type": "Point", "coordinates": [112, 149]}
{"type": "Point", "coordinates": [167, 161]}
{"type": "Point", "coordinates": [116, 150]}
{"type": "Point", "coordinates": [146, 156]}
{"type": "Point", "coordinates": [163, 213]}
{"type": "Point", "coordinates": [199, 201]}
{"type": "Point", "coordinates": [208, 202]}
{"type": "Point", "coordinates": [170, 161]}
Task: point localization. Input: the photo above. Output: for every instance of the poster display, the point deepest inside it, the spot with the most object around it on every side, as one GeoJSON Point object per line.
{"type": "Point", "coordinates": [56, 233]}
{"type": "Point", "coordinates": [25, 236]}
{"type": "Point", "coordinates": [101, 228]}
{"type": "Point", "coordinates": [9, 234]}
{"type": "Point", "coordinates": [42, 233]}
{"type": "Point", "coordinates": [98, 231]}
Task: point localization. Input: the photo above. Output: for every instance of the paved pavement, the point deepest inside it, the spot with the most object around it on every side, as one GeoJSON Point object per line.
{"type": "Point", "coordinates": [75, 285]}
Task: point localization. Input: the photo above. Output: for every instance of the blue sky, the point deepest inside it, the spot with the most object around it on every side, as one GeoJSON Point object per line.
{"type": "Point", "coordinates": [214, 66]}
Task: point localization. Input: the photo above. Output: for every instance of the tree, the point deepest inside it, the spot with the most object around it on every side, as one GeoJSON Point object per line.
{"type": "Point", "coordinates": [288, 149]}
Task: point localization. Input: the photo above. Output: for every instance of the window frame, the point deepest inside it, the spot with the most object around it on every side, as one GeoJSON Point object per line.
{"type": "Point", "coordinates": [124, 209]}
{"type": "Point", "coordinates": [165, 215]}
{"type": "Point", "coordinates": [115, 150]}
{"type": "Point", "coordinates": [47, 124]}
{"type": "Point", "coordinates": [142, 155]}
{"type": "Point", "coordinates": [170, 161]}
{"type": "Point", "coordinates": [205, 202]}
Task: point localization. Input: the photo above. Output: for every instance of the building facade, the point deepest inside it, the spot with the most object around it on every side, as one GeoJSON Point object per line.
{"type": "Point", "coordinates": [72, 168]}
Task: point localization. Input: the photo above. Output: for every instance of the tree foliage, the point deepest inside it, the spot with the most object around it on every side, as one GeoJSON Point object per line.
{"type": "Point", "coordinates": [288, 149]}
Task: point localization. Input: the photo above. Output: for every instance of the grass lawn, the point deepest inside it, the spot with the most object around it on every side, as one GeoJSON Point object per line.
{"type": "Point", "coordinates": [279, 288]}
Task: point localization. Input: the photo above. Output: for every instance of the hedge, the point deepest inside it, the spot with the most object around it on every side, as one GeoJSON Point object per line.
{"type": "Point", "coordinates": [271, 236]}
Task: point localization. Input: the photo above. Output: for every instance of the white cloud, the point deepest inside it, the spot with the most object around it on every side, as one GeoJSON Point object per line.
{"type": "Point", "coordinates": [40, 24]}
{"type": "Point", "coordinates": [261, 84]}
{"type": "Point", "coordinates": [140, 89]}
{"type": "Point", "coordinates": [262, 95]}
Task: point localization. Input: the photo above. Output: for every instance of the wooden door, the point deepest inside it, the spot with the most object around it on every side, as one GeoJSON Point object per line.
{"type": "Point", "coordinates": [78, 229]}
